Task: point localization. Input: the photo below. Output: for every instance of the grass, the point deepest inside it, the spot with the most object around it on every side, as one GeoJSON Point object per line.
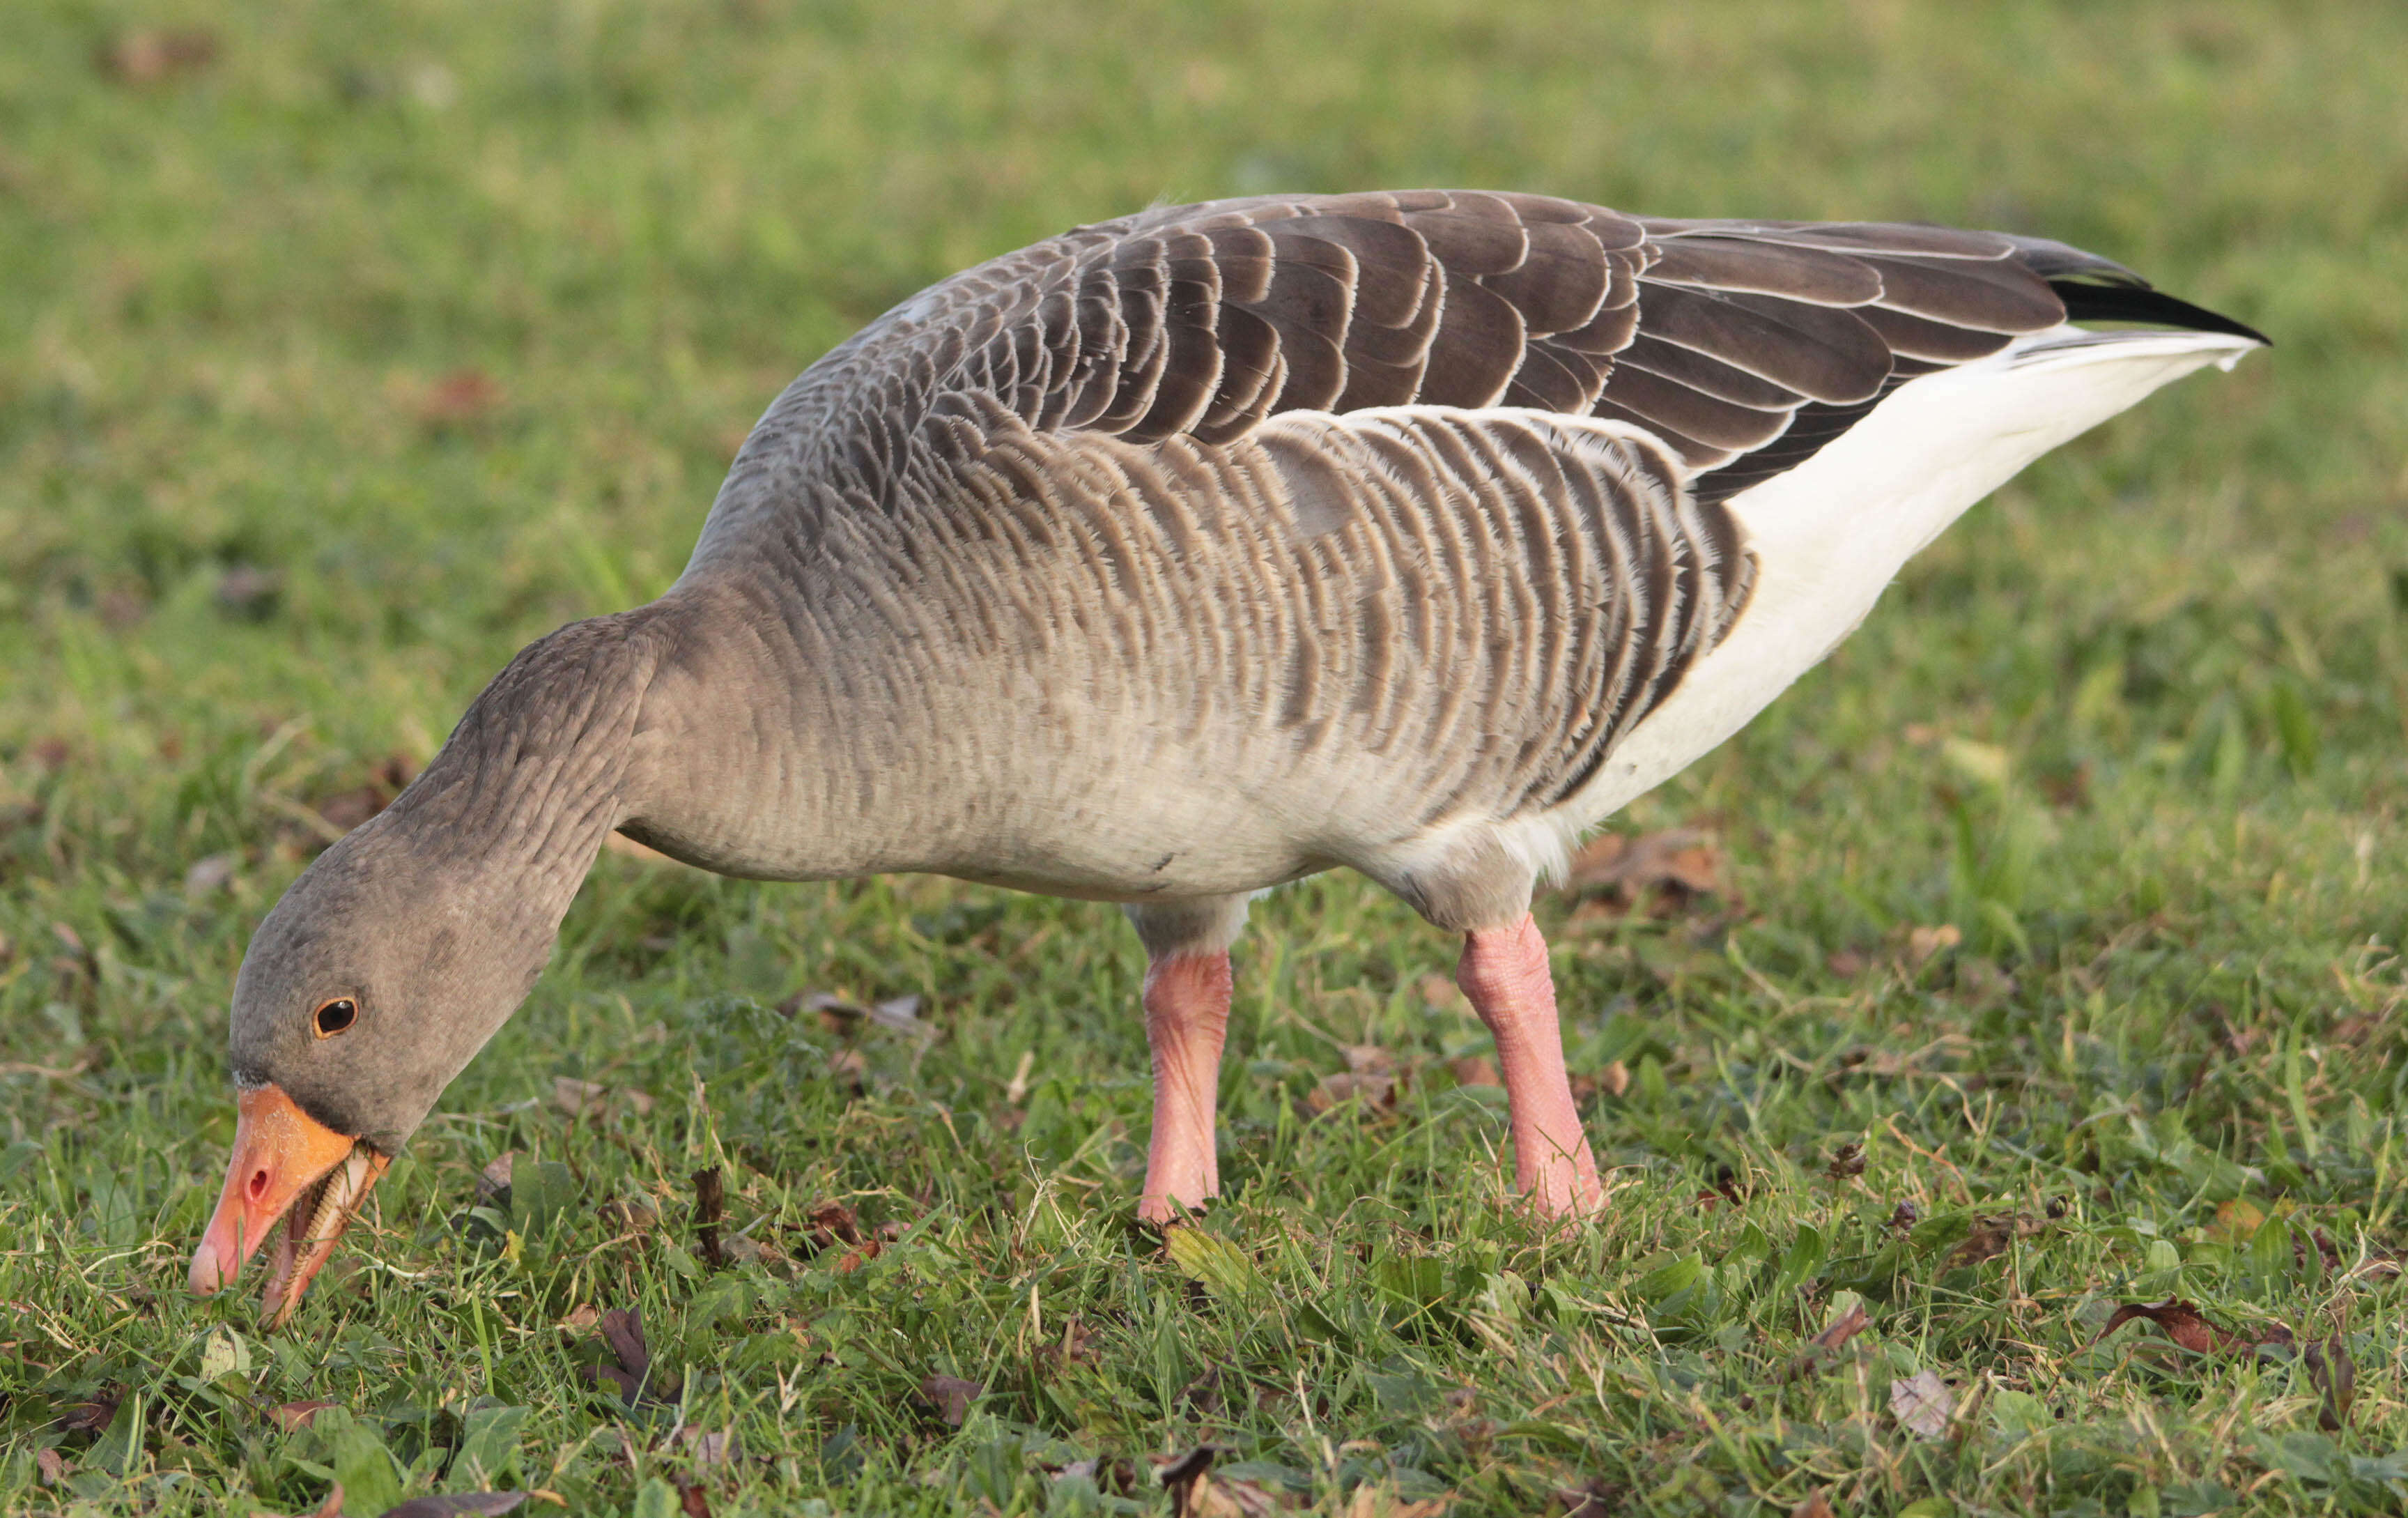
{"type": "Point", "coordinates": [342, 361]}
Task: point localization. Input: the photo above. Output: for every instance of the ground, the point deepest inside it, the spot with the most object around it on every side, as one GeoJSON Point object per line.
{"type": "Point", "coordinates": [2036, 957]}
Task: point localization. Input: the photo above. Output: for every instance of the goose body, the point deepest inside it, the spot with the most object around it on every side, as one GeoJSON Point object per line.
{"type": "Point", "coordinates": [1185, 554]}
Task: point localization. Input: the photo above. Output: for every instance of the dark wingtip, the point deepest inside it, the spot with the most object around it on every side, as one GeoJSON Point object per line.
{"type": "Point", "coordinates": [2096, 289]}
{"type": "Point", "coordinates": [2087, 302]}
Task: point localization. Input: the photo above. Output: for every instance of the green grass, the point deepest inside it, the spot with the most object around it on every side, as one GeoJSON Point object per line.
{"type": "Point", "coordinates": [335, 369]}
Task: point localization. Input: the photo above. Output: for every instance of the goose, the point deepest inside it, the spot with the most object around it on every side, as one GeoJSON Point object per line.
{"type": "Point", "coordinates": [1183, 556]}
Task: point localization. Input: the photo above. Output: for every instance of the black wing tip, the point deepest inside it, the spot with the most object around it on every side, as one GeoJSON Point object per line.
{"type": "Point", "coordinates": [2089, 301]}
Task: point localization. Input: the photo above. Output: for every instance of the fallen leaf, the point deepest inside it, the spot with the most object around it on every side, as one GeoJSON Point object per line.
{"type": "Point", "coordinates": [1595, 1497]}
{"type": "Point", "coordinates": [2181, 1321]}
{"type": "Point", "coordinates": [1816, 1506]}
{"type": "Point", "coordinates": [1922, 942]}
{"type": "Point", "coordinates": [952, 1398]}
{"type": "Point", "coordinates": [623, 1330]}
{"type": "Point", "coordinates": [1370, 1077]}
{"type": "Point", "coordinates": [693, 1501]}
{"type": "Point", "coordinates": [494, 1181]}
{"type": "Point", "coordinates": [577, 1097]}
{"type": "Point", "coordinates": [1439, 993]}
{"type": "Point", "coordinates": [1378, 1500]}
{"type": "Point", "coordinates": [453, 1504]}
{"type": "Point", "coordinates": [93, 1417]}
{"type": "Point", "coordinates": [1922, 1404]}
{"type": "Point", "coordinates": [1847, 964]}
{"type": "Point", "coordinates": [2334, 1375]}
{"type": "Point", "coordinates": [1842, 1328]}
{"type": "Point", "coordinates": [1180, 1475]}
{"type": "Point", "coordinates": [848, 1068]}
{"type": "Point", "coordinates": [150, 55]}
{"type": "Point", "coordinates": [1614, 1079]}
{"type": "Point", "coordinates": [630, 1212]}
{"type": "Point", "coordinates": [1673, 867]}
{"type": "Point", "coordinates": [1990, 1236]}
{"type": "Point", "coordinates": [53, 1466]}
{"type": "Point", "coordinates": [709, 1446]}
{"type": "Point", "coordinates": [212, 873]}
{"type": "Point", "coordinates": [293, 1417]}
{"type": "Point", "coordinates": [1076, 1348]}
{"type": "Point", "coordinates": [709, 1211]}
{"type": "Point", "coordinates": [459, 397]}
{"type": "Point", "coordinates": [580, 1319]}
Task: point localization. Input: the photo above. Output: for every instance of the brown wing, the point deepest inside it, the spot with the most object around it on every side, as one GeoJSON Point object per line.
{"type": "Point", "coordinates": [1745, 345]}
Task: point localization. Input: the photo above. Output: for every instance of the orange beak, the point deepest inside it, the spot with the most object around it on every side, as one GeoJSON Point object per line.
{"type": "Point", "coordinates": [284, 1156]}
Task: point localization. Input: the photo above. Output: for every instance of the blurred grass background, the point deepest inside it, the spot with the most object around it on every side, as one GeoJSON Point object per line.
{"type": "Point", "coordinates": [346, 348]}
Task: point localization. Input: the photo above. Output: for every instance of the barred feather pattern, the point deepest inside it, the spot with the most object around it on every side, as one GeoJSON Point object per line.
{"type": "Point", "coordinates": [1425, 487]}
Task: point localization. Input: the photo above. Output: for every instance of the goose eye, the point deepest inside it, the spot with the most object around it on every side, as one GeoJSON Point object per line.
{"type": "Point", "coordinates": [335, 1015]}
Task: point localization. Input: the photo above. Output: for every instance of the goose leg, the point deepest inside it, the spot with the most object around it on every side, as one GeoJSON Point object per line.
{"type": "Point", "coordinates": [1504, 972]}
{"type": "Point", "coordinates": [1187, 1017]}
{"type": "Point", "coordinates": [1187, 988]}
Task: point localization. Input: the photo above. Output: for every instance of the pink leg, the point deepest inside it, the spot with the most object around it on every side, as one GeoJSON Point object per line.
{"type": "Point", "coordinates": [1187, 1017]}
{"type": "Point", "coordinates": [1504, 972]}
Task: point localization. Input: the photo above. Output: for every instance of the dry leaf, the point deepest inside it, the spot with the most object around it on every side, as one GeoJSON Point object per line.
{"type": "Point", "coordinates": [1674, 866]}
{"type": "Point", "coordinates": [1990, 1237]}
{"type": "Point", "coordinates": [293, 1417]}
{"type": "Point", "coordinates": [1380, 1502]}
{"type": "Point", "coordinates": [93, 1417]}
{"type": "Point", "coordinates": [150, 55]}
{"type": "Point", "coordinates": [1595, 1497]}
{"type": "Point", "coordinates": [693, 1501]}
{"type": "Point", "coordinates": [1922, 1404]}
{"type": "Point", "coordinates": [1370, 1077]}
{"type": "Point", "coordinates": [577, 1097]}
{"type": "Point", "coordinates": [623, 1330]}
{"type": "Point", "coordinates": [709, 1210]}
{"type": "Point", "coordinates": [2181, 1321]}
{"type": "Point", "coordinates": [1181, 1474]}
{"type": "Point", "coordinates": [709, 1446]}
{"type": "Point", "coordinates": [494, 1181]}
{"type": "Point", "coordinates": [580, 1319]}
{"type": "Point", "coordinates": [1922, 942]}
{"type": "Point", "coordinates": [53, 1466]}
{"type": "Point", "coordinates": [2334, 1375]}
{"type": "Point", "coordinates": [1816, 1506]}
{"type": "Point", "coordinates": [1476, 1070]}
{"type": "Point", "coordinates": [459, 397]}
{"type": "Point", "coordinates": [1440, 994]}
{"type": "Point", "coordinates": [1846, 1161]}
{"type": "Point", "coordinates": [1841, 1328]}
{"type": "Point", "coordinates": [1614, 1079]}
{"type": "Point", "coordinates": [952, 1398]}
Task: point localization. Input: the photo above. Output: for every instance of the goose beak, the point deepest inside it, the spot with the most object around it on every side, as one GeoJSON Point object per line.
{"type": "Point", "coordinates": [286, 1165]}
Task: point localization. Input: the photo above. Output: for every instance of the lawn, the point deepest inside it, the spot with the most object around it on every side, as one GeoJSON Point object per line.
{"type": "Point", "coordinates": [2046, 959]}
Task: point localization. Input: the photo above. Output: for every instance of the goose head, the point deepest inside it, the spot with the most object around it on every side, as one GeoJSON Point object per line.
{"type": "Point", "coordinates": [372, 984]}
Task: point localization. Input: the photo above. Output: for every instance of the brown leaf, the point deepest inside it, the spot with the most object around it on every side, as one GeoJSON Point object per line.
{"type": "Point", "coordinates": [829, 1224]}
{"type": "Point", "coordinates": [2334, 1375]}
{"type": "Point", "coordinates": [52, 1467]}
{"type": "Point", "coordinates": [1841, 1328]}
{"type": "Point", "coordinates": [952, 1398]}
{"type": "Point", "coordinates": [577, 1097]}
{"type": "Point", "coordinates": [1903, 1217]}
{"type": "Point", "coordinates": [1614, 1079]}
{"type": "Point", "coordinates": [1816, 1506]}
{"type": "Point", "coordinates": [1674, 867]}
{"type": "Point", "coordinates": [1922, 942]}
{"type": "Point", "coordinates": [1846, 1161]}
{"type": "Point", "coordinates": [1077, 1348]}
{"type": "Point", "coordinates": [1595, 1497]}
{"type": "Point", "coordinates": [494, 1181]}
{"type": "Point", "coordinates": [1380, 1500]}
{"type": "Point", "coordinates": [710, 1446]}
{"type": "Point", "coordinates": [293, 1417]}
{"type": "Point", "coordinates": [1439, 993]}
{"type": "Point", "coordinates": [636, 1212]}
{"type": "Point", "coordinates": [2181, 1321]}
{"type": "Point", "coordinates": [709, 1210]}
{"type": "Point", "coordinates": [93, 1417]}
{"type": "Point", "coordinates": [459, 397]}
{"type": "Point", "coordinates": [693, 1500]}
{"type": "Point", "coordinates": [1922, 1404]}
{"type": "Point", "coordinates": [1181, 1474]}
{"type": "Point", "coordinates": [581, 1318]}
{"type": "Point", "coordinates": [623, 1330]}
{"type": "Point", "coordinates": [1990, 1236]}
{"type": "Point", "coordinates": [150, 55]}
{"type": "Point", "coordinates": [1476, 1070]}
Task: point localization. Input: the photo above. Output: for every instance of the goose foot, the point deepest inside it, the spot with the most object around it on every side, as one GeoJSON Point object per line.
{"type": "Point", "coordinates": [1187, 1018]}
{"type": "Point", "coordinates": [1504, 972]}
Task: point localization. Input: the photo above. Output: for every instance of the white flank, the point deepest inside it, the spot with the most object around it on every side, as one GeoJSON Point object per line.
{"type": "Point", "coordinates": [1831, 534]}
